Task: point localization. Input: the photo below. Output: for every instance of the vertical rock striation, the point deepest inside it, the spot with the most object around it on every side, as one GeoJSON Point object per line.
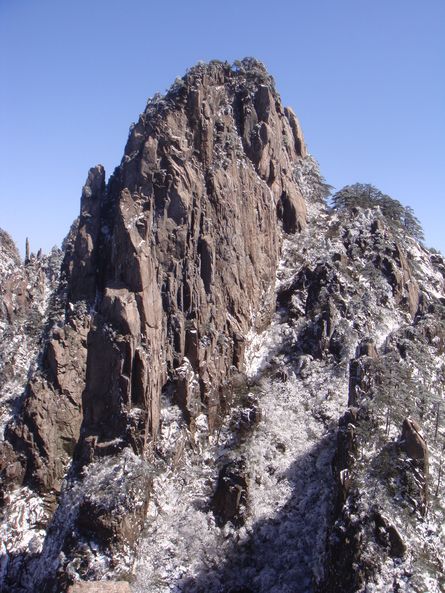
{"type": "Point", "coordinates": [169, 266]}
{"type": "Point", "coordinates": [178, 253]}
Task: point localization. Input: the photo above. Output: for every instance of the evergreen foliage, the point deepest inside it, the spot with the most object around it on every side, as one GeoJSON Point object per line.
{"type": "Point", "coordinates": [365, 195]}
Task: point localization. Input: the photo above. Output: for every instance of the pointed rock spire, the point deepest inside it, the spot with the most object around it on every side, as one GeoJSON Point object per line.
{"type": "Point", "coordinates": [27, 252]}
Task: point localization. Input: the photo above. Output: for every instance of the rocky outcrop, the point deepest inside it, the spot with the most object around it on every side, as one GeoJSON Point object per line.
{"type": "Point", "coordinates": [49, 426]}
{"type": "Point", "coordinates": [26, 296]}
{"type": "Point", "coordinates": [177, 255]}
{"type": "Point", "coordinates": [168, 267]}
{"type": "Point", "coordinates": [23, 285]}
{"type": "Point", "coordinates": [14, 296]}
{"type": "Point", "coordinates": [230, 497]}
{"type": "Point", "coordinates": [405, 288]}
{"type": "Point", "coordinates": [190, 247]}
{"type": "Point", "coordinates": [388, 536]}
{"type": "Point", "coordinates": [413, 444]}
{"type": "Point", "coordinates": [81, 260]}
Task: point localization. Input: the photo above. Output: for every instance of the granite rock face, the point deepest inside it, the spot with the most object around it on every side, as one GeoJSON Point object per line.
{"type": "Point", "coordinates": [168, 267]}
{"type": "Point", "coordinates": [382, 461]}
{"type": "Point", "coordinates": [25, 297]}
{"type": "Point", "coordinates": [177, 256]}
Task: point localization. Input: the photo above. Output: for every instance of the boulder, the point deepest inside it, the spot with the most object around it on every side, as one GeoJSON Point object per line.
{"type": "Point", "coordinates": [414, 444]}
{"type": "Point", "coordinates": [367, 347]}
{"type": "Point", "coordinates": [388, 536]}
{"type": "Point", "coordinates": [230, 496]}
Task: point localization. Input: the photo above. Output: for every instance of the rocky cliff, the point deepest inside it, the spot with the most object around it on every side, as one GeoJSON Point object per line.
{"type": "Point", "coordinates": [26, 290]}
{"type": "Point", "coordinates": [237, 389]}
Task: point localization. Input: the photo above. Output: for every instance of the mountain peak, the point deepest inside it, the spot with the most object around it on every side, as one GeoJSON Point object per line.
{"type": "Point", "coordinates": [230, 371]}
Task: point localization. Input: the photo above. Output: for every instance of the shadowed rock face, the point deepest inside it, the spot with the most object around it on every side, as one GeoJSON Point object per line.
{"type": "Point", "coordinates": [231, 493]}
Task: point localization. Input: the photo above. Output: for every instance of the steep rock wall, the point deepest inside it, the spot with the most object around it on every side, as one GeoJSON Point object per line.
{"type": "Point", "coordinates": [169, 266]}
{"type": "Point", "coordinates": [187, 246]}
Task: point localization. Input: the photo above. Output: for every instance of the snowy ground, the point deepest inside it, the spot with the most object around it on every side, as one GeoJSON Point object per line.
{"type": "Point", "coordinates": [289, 454]}
{"type": "Point", "coordinates": [281, 546]}
{"type": "Point", "coordinates": [290, 493]}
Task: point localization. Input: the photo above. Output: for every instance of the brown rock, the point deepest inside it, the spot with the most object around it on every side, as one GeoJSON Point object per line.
{"type": "Point", "coordinates": [231, 493]}
{"type": "Point", "coordinates": [192, 246]}
{"type": "Point", "coordinates": [12, 467]}
{"type": "Point", "coordinates": [408, 287]}
{"type": "Point", "coordinates": [167, 269]}
{"type": "Point", "coordinates": [81, 265]}
{"type": "Point", "coordinates": [23, 300]}
{"type": "Point", "coordinates": [346, 451]}
{"type": "Point", "coordinates": [368, 348]}
{"type": "Point", "coordinates": [297, 132]}
{"type": "Point", "coordinates": [27, 251]}
{"type": "Point", "coordinates": [398, 272]}
{"type": "Point", "coordinates": [388, 536]}
{"type": "Point", "coordinates": [413, 443]}
{"type": "Point", "coordinates": [49, 427]}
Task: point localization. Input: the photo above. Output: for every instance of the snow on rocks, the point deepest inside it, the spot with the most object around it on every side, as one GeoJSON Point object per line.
{"type": "Point", "coordinates": [25, 298]}
{"type": "Point", "coordinates": [25, 295]}
{"type": "Point", "coordinates": [287, 456]}
{"type": "Point", "coordinates": [288, 464]}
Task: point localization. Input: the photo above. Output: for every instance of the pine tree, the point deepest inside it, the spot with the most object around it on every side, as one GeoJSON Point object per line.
{"type": "Point", "coordinates": [412, 224]}
{"type": "Point", "coordinates": [365, 195]}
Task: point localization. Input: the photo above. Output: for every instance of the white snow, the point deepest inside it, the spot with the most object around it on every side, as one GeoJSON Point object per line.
{"type": "Point", "coordinates": [19, 346]}
{"type": "Point", "coordinates": [288, 460]}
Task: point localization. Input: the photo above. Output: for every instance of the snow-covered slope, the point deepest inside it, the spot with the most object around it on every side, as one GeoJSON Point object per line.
{"type": "Point", "coordinates": [334, 303]}
{"type": "Point", "coordinates": [26, 295]}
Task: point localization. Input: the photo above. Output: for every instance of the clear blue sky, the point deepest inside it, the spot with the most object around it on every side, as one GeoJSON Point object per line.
{"type": "Point", "coordinates": [366, 78]}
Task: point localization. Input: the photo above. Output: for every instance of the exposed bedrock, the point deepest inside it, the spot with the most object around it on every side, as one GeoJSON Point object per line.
{"type": "Point", "coordinates": [172, 264]}
{"type": "Point", "coordinates": [168, 280]}
{"type": "Point", "coordinates": [168, 267]}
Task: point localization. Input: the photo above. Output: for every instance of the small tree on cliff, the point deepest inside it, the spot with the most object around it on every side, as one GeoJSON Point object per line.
{"type": "Point", "coordinates": [365, 195]}
{"type": "Point", "coordinates": [412, 224]}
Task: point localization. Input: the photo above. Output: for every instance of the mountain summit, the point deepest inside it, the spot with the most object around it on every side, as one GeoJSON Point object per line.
{"type": "Point", "coordinates": [234, 387]}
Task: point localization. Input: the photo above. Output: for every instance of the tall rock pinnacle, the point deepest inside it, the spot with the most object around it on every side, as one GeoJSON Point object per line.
{"type": "Point", "coordinates": [27, 250]}
{"type": "Point", "coordinates": [171, 264]}
{"type": "Point", "coordinates": [179, 251]}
